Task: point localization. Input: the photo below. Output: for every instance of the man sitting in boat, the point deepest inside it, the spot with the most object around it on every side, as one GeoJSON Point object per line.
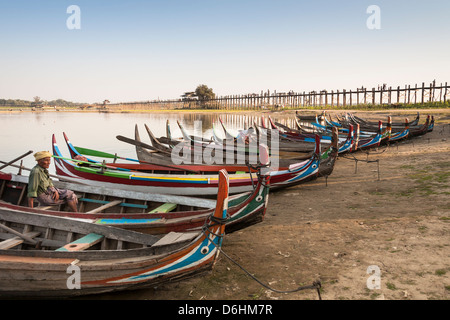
{"type": "Point", "coordinates": [40, 185]}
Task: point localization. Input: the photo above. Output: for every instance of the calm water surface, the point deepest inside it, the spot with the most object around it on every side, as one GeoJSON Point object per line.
{"type": "Point", "coordinates": [21, 132]}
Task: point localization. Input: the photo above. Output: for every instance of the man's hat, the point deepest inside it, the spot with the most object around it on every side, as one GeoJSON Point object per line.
{"type": "Point", "coordinates": [41, 155]}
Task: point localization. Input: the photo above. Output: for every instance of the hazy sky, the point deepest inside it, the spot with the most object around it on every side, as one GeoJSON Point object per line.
{"type": "Point", "coordinates": [144, 50]}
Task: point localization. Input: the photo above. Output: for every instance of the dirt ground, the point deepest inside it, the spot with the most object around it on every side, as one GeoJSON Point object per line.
{"type": "Point", "coordinates": [395, 219]}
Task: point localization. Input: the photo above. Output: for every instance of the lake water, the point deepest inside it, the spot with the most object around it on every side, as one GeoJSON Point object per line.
{"type": "Point", "coordinates": [24, 131]}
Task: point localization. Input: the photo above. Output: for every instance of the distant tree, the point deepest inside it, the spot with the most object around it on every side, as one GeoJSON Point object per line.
{"type": "Point", "coordinates": [204, 93]}
{"type": "Point", "coordinates": [37, 102]}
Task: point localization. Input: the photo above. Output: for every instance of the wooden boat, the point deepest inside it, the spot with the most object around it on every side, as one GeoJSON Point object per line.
{"type": "Point", "coordinates": [344, 141]}
{"type": "Point", "coordinates": [382, 136]}
{"type": "Point", "coordinates": [328, 157]}
{"type": "Point", "coordinates": [364, 124]}
{"type": "Point", "coordinates": [375, 141]}
{"type": "Point", "coordinates": [241, 152]}
{"type": "Point", "coordinates": [408, 131]}
{"type": "Point", "coordinates": [370, 142]}
{"type": "Point", "coordinates": [181, 182]}
{"type": "Point", "coordinates": [284, 142]}
{"type": "Point", "coordinates": [326, 129]}
{"type": "Point", "coordinates": [192, 150]}
{"type": "Point", "coordinates": [243, 143]}
{"type": "Point", "coordinates": [308, 118]}
{"type": "Point", "coordinates": [165, 164]}
{"type": "Point", "coordinates": [400, 135]}
{"type": "Point", "coordinates": [423, 129]}
{"type": "Point", "coordinates": [330, 146]}
{"type": "Point", "coordinates": [414, 127]}
{"type": "Point", "coordinates": [390, 134]}
{"type": "Point", "coordinates": [47, 256]}
{"type": "Point", "coordinates": [142, 212]}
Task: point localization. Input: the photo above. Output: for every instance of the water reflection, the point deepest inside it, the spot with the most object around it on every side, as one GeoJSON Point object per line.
{"type": "Point", "coordinates": [21, 132]}
{"type": "Point", "coordinates": [25, 131]}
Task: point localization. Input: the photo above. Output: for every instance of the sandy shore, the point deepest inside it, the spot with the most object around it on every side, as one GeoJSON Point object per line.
{"type": "Point", "coordinates": [335, 231]}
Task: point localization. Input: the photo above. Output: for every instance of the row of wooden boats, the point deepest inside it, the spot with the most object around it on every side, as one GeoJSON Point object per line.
{"type": "Point", "coordinates": [366, 134]}
{"type": "Point", "coordinates": [146, 221]}
{"type": "Point", "coordinates": [192, 179]}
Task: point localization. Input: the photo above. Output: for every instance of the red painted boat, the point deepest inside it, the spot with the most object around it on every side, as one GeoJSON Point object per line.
{"type": "Point", "coordinates": [143, 212]}
{"type": "Point", "coordinates": [181, 183]}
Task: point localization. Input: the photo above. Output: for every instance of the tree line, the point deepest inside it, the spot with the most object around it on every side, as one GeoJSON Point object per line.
{"type": "Point", "coordinates": [38, 102]}
{"type": "Point", "coordinates": [202, 93]}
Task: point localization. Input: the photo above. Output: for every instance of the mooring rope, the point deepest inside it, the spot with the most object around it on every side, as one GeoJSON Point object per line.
{"type": "Point", "coordinates": [215, 221]}
{"type": "Point", "coordinates": [315, 285]}
{"type": "Point", "coordinates": [367, 161]}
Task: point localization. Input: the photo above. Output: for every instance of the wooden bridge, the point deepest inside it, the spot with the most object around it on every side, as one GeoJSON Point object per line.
{"type": "Point", "coordinates": [383, 95]}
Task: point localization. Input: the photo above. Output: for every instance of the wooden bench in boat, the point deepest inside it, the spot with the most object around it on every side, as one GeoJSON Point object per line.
{"type": "Point", "coordinates": [56, 207]}
{"type": "Point", "coordinates": [174, 237]}
{"type": "Point", "coordinates": [83, 243]}
{"type": "Point", "coordinates": [164, 208]}
{"type": "Point", "coordinates": [107, 204]}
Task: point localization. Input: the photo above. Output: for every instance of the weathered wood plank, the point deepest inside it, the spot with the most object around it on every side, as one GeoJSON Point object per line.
{"type": "Point", "coordinates": [10, 230]}
{"type": "Point", "coordinates": [165, 208]}
{"type": "Point", "coordinates": [105, 206]}
{"type": "Point", "coordinates": [78, 227]}
{"type": "Point", "coordinates": [83, 243]}
{"type": "Point", "coordinates": [120, 193]}
{"type": "Point", "coordinates": [174, 237]}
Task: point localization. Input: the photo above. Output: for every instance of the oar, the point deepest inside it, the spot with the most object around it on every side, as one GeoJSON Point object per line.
{"type": "Point", "coordinates": [140, 144]}
{"type": "Point", "coordinates": [18, 234]}
{"type": "Point", "coordinates": [51, 175]}
{"type": "Point", "coordinates": [98, 164]}
{"type": "Point", "coordinates": [95, 153]}
{"type": "Point", "coordinates": [147, 146]}
{"type": "Point", "coordinates": [227, 134]}
{"type": "Point", "coordinates": [144, 145]}
{"type": "Point", "coordinates": [16, 159]}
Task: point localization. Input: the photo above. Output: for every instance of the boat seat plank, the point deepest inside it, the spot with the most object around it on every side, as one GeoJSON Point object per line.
{"type": "Point", "coordinates": [133, 205]}
{"type": "Point", "coordinates": [83, 243]}
{"type": "Point", "coordinates": [121, 204]}
{"type": "Point", "coordinates": [173, 237]}
{"type": "Point", "coordinates": [105, 206]}
{"type": "Point", "coordinates": [12, 242]}
{"type": "Point", "coordinates": [53, 207]}
{"type": "Point", "coordinates": [165, 208]}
